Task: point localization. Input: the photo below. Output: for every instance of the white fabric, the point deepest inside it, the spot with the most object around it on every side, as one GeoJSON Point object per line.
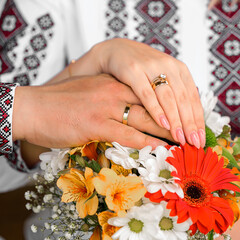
{"type": "Point", "coordinates": [64, 46]}
{"type": "Point", "coordinates": [79, 24]}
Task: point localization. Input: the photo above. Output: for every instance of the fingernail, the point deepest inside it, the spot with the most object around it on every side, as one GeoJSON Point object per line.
{"type": "Point", "coordinates": [165, 122]}
{"type": "Point", "coordinates": [202, 136]}
{"type": "Point", "coordinates": [195, 139]}
{"type": "Point", "coordinates": [180, 136]}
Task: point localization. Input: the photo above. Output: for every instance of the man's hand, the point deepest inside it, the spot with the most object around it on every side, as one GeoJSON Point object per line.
{"type": "Point", "coordinates": [75, 111]}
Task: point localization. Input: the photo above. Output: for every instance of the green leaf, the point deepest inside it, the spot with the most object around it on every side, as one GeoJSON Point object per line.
{"type": "Point", "coordinates": [236, 147]}
{"type": "Point", "coordinates": [94, 194]}
{"type": "Point", "coordinates": [80, 161]}
{"type": "Point", "coordinates": [63, 172]}
{"type": "Point", "coordinates": [211, 140]}
{"type": "Point", "coordinates": [225, 132]}
{"type": "Point", "coordinates": [95, 166]}
{"type": "Point", "coordinates": [230, 157]}
{"type": "Point", "coordinates": [237, 194]}
{"type": "Point", "coordinates": [73, 157]}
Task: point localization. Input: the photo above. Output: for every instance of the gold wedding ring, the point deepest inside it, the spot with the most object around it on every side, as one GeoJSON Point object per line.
{"type": "Point", "coordinates": [125, 114]}
{"type": "Point", "coordinates": [159, 80]}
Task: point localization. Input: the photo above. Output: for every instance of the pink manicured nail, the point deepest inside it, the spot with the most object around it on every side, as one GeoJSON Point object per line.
{"type": "Point", "coordinates": [165, 122]}
{"type": "Point", "coordinates": [202, 136]}
{"type": "Point", "coordinates": [195, 139]}
{"type": "Point", "coordinates": [180, 136]}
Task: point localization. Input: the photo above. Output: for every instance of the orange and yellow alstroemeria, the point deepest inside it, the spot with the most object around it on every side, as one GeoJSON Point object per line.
{"type": "Point", "coordinates": [78, 187]}
{"type": "Point", "coordinates": [121, 192]}
{"type": "Point", "coordinates": [107, 230]}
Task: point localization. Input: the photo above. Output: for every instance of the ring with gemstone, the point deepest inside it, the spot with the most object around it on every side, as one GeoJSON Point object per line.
{"type": "Point", "coordinates": [125, 114]}
{"type": "Point", "coordinates": [159, 80]}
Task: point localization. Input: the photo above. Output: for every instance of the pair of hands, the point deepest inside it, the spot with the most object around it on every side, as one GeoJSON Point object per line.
{"type": "Point", "coordinates": [72, 112]}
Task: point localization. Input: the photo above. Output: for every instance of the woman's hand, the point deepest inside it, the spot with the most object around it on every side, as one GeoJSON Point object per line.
{"type": "Point", "coordinates": [80, 109]}
{"type": "Point", "coordinates": [175, 106]}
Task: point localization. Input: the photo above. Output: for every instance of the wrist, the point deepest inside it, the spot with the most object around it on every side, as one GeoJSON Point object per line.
{"type": "Point", "coordinates": [21, 112]}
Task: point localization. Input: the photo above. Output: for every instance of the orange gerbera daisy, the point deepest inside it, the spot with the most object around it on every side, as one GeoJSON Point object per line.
{"type": "Point", "coordinates": [200, 175]}
{"type": "Point", "coordinates": [78, 187]}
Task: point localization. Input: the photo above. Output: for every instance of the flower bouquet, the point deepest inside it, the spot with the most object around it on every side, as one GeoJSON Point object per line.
{"type": "Point", "coordinates": [107, 191]}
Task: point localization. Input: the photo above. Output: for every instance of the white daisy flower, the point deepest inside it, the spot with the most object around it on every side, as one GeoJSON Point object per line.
{"type": "Point", "coordinates": [213, 119]}
{"type": "Point", "coordinates": [137, 224]}
{"type": "Point", "coordinates": [124, 156]}
{"type": "Point", "coordinates": [156, 173]}
{"type": "Point", "coordinates": [54, 160]}
{"type": "Point", "coordinates": [168, 226]}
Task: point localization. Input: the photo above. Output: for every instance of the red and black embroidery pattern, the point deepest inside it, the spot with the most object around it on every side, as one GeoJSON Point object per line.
{"type": "Point", "coordinates": [12, 25]}
{"type": "Point", "coordinates": [13, 29]}
{"type": "Point", "coordinates": [154, 22]}
{"type": "Point", "coordinates": [6, 104]}
{"type": "Point", "coordinates": [225, 60]}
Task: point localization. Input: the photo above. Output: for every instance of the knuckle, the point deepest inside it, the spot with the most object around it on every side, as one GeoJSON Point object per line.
{"type": "Point", "coordinates": [147, 140]}
{"type": "Point", "coordinates": [146, 93]}
{"type": "Point", "coordinates": [166, 94]}
{"type": "Point", "coordinates": [134, 66]}
{"type": "Point", "coordinates": [182, 97]}
{"type": "Point", "coordinates": [129, 133]}
{"type": "Point", "coordinates": [182, 66]}
{"type": "Point", "coordinates": [145, 116]}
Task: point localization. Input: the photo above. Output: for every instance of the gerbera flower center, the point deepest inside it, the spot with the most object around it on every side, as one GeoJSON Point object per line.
{"type": "Point", "coordinates": [166, 224]}
{"type": "Point", "coordinates": [165, 174]}
{"type": "Point", "coordinates": [195, 191]}
{"type": "Point", "coordinates": [135, 225]}
{"type": "Point", "coordinates": [134, 155]}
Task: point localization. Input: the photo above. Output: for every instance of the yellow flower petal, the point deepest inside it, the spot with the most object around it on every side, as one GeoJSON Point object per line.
{"type": "Point", "coordinates": [103, 179]}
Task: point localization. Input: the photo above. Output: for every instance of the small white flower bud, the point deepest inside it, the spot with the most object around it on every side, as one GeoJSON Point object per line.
{"type": "Point", "coordinates": [35, 176]}
{"type": "Point", "coordinates": [28, 206]}
{"type": "Point", "coordinates": [37, 209]}
{"type": "Point", "coordinates": [48, 176]}
{"type": "Point", "coordinates": [47, 198]}
{"type": "Point", "coordinates": [47, 225]}
{"type": "Point", "coordinates": [27, 195]}
{"type": "Point", "coordinates": [72, 207]}
{"type": "Point", "coordinates": [54, 216]}
{"type": "Point", "coordinates": [40, 189]}
{"type": "Point", "coordinates": [54, 228]}
{"type": "Point", "coordinates": [52, 189]}
{"type": "Point", "coordinates": [33, 194]}
{"type": "Point", "coordinates": [68, 235]}
{"type": "Point", "coordinates": [55, 208]}
{"type": "Point", "coordinates": [34, 228]}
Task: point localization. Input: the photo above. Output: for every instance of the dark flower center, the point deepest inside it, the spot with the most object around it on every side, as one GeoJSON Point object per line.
{"type": "Point", "coordinates": [196, 191]}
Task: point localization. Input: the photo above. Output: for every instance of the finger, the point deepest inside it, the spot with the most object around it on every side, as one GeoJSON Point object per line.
{"type": "Point", "coordinates": [167, 100]}
{"type": "Point", "coordinates": [140, 119]}
{"type": "Point", "coordinates": [212, 4]}
{"type": "Point", "coordinates": [197, 108]}
{"type": "Point", "coordinates": [124, 93]}
{"type": "Point", "coordinates": [184, 108]}
{"type": "Point", "coordinates": [113, 131]}
{"type": "Point", "coordinates": [144, 91]}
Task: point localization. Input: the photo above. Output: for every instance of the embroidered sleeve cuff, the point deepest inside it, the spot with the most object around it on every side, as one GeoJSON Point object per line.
{"type": "Point", "coordinates": [7, 91]}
